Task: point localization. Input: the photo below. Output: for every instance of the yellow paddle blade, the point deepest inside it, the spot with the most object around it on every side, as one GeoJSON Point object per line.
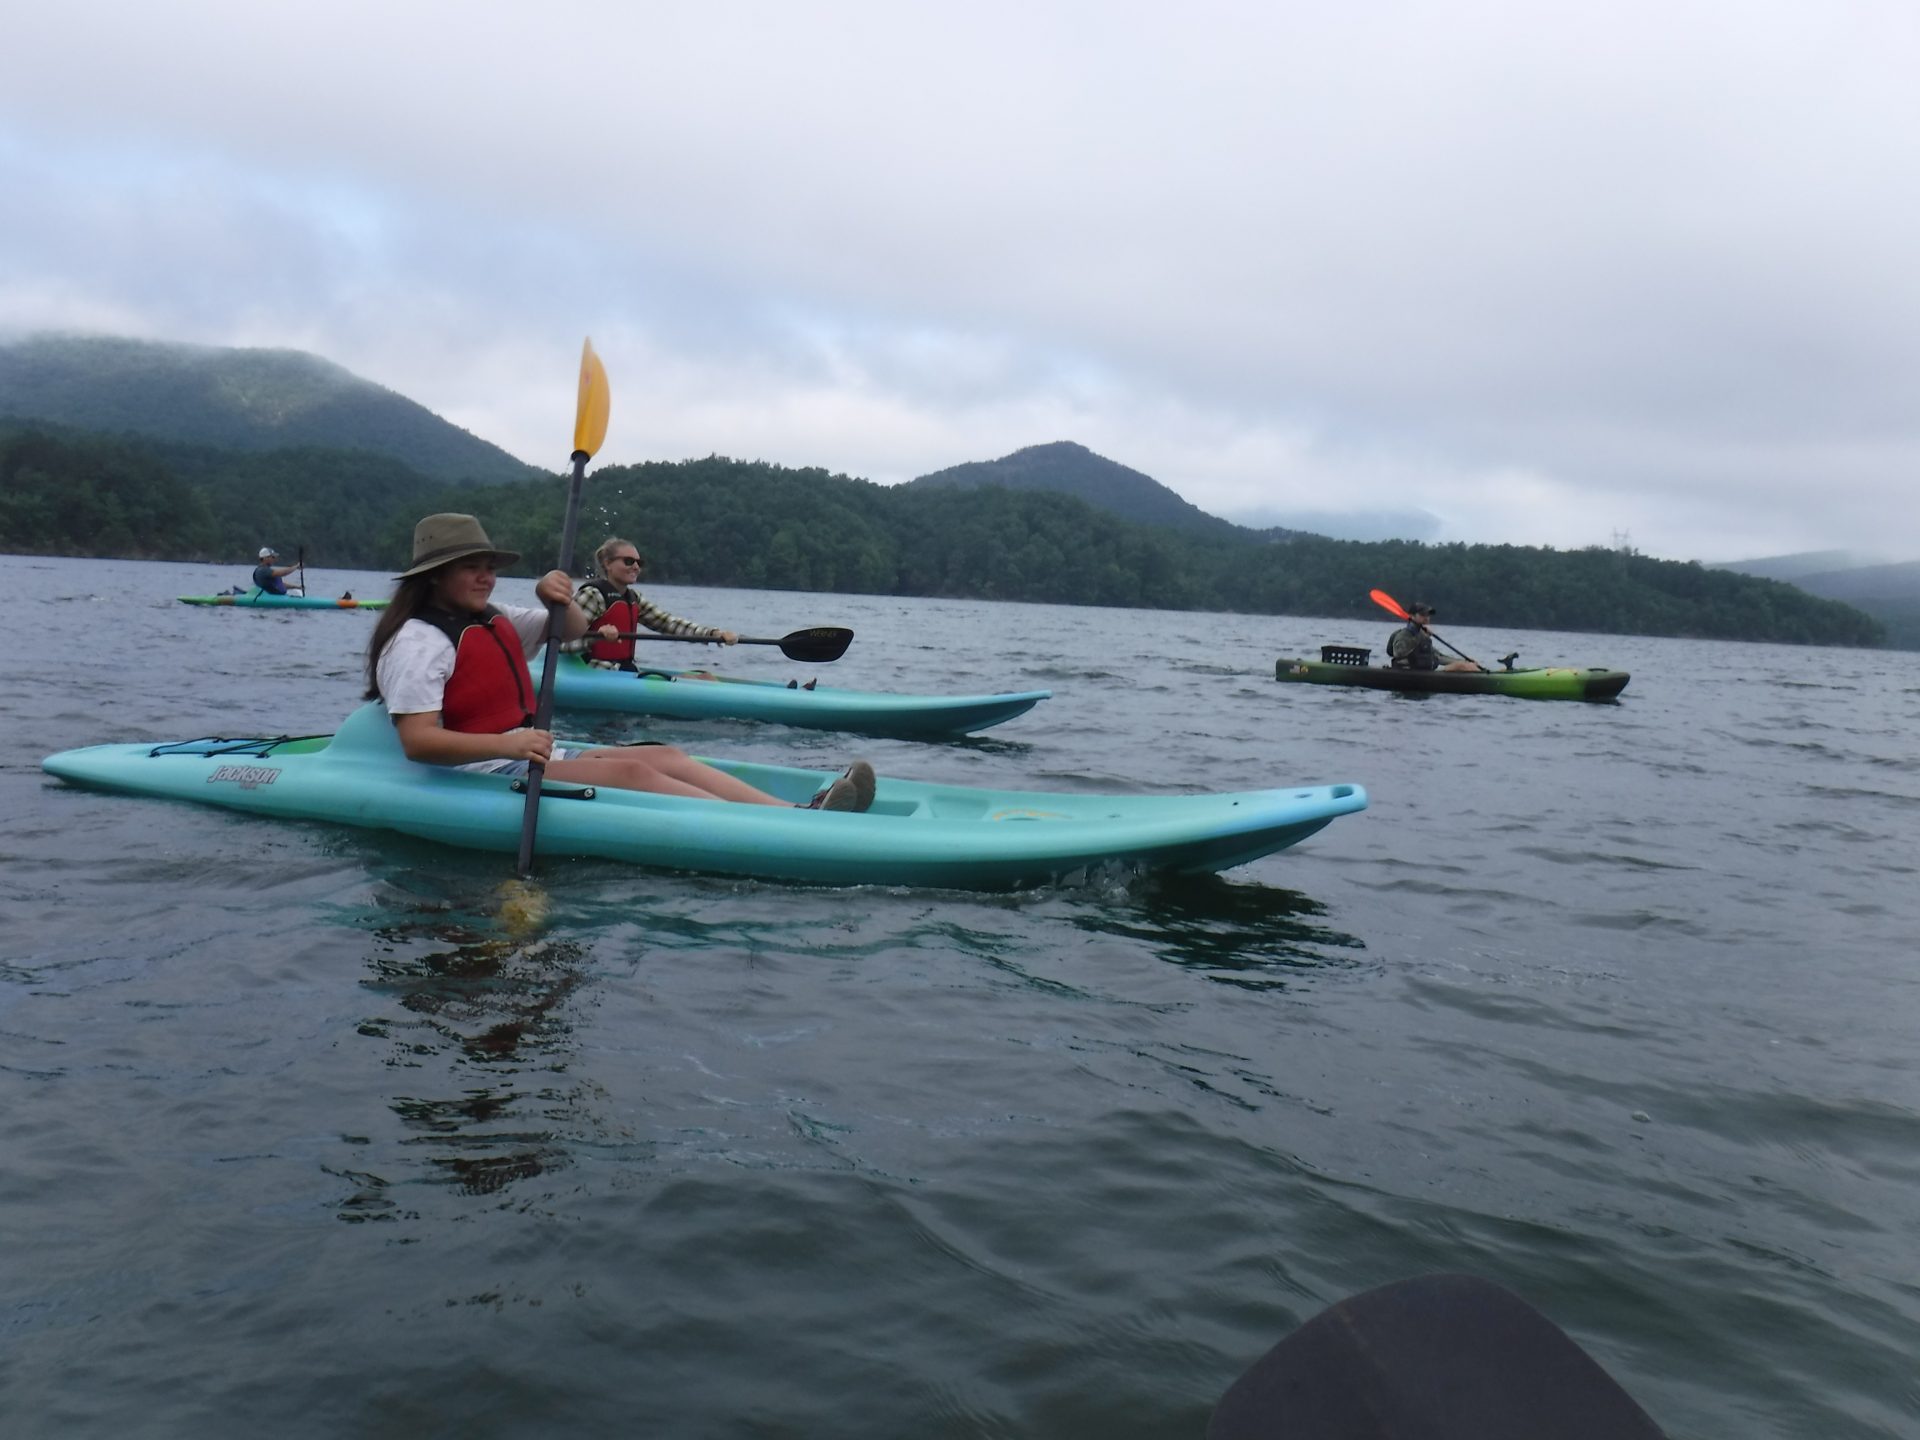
{"type": "Point", "coordinates": [523, 908]}
{"type": "Point", "coordinates": [590, 418]}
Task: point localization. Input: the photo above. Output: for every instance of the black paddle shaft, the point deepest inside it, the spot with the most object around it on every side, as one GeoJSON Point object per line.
{"type": "Point", "coordinates": [1441, 1357]}
{"type": "Point", "coordinates": [816, 645]}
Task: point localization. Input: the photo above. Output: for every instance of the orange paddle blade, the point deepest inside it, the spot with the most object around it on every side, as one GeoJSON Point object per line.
{"type": "Point", "coordinates": [590, 418]}
{"type": "Point", "coordinates": [1388, 603]}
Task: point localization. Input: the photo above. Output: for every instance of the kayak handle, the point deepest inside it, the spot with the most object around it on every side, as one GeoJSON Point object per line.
{"type": "Point", "coordinates": [551, 792]}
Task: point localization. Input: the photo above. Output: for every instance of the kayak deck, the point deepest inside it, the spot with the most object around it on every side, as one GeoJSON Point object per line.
{"type": "Point", "coordinates": [688, 695]}
{"type": "Point", "coordinates": [916, 833]}
{"type": "Point", "coordinates": [1541, 683]}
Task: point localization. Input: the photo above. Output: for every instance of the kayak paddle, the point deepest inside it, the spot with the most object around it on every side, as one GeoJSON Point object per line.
{"type": "Point", "coordinates": [817, 645]}
{"type": "Point", "coordinates": [589, 429]}
{"type": "Point", "coordinates": [1392, 606]}
{"type": "Point", "coordinates": [1440, 1357]}
{"type": "Point", "coordinates": [300, 559]}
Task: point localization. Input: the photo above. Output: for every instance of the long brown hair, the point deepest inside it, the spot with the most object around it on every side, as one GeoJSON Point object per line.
{"type": "Point", "coordinates": [412, 596]}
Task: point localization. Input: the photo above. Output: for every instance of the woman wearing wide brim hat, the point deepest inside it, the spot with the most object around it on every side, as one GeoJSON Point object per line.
{"type": "Point", "coordinates": [452, 668]}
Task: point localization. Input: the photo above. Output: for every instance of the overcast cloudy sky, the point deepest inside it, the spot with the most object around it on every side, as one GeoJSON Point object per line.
{"type": "Point", "coordinates": [1553, 274]}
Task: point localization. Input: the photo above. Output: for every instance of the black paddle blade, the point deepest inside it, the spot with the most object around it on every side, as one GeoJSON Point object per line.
{"type": "Point", "coordinates": [1441, 1357]}
{"type": "Point", "coordinates": [815, 646]}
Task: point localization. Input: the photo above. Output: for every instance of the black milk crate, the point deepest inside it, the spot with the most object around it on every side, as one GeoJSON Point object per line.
{"type": "Point", "coordinates": [1345, 655]}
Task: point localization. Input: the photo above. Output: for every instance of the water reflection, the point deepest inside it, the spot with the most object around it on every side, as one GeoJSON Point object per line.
{"type": "Point", "coordinates": [476, 995]}
{"type": "Point", "coordinates": [1253, 936]}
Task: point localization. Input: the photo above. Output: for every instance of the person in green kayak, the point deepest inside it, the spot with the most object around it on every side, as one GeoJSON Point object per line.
{"type": "Point", "coordinates": [614, 607]}
{"type": "Point", "coordinates": [1411, 646]}
{"type": "Point", "coordinates": [452, 669]}
{"type": "Point", "coordinates": [270, 575]}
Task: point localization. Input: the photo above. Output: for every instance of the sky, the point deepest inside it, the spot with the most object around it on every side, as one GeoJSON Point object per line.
{"type": "Point", "coordinates": [1572, 274]}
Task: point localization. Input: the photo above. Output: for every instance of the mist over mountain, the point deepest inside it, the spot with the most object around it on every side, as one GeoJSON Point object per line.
{"type": "Point", "coordinates": [248, 400]}
{"type": "Point", "coordinates": [1802, 563]}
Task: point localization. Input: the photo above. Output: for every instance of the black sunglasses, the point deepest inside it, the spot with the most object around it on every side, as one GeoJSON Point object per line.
{"type": "Point", "coordinates": [627, 560]}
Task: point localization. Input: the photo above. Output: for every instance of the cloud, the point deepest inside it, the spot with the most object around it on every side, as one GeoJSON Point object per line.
{"type": "Point", "coordinates": [1623, 268]}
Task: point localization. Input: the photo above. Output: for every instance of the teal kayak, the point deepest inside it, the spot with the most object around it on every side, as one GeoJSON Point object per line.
{"type": "Point", "coordinates": [261, 600]}
{"type": "Point", "coordinates": [916, 834]}
{"type": "Point", "coordinates": [684, 695]}
{"type": "Point", "coordinates": [1544, 683]}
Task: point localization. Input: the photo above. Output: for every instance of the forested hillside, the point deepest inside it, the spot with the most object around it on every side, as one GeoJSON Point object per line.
{"type": "Point", "coordinates": [726, 522]}
{"type": "Point", "coordinates": [1890, 593]}
{"type": "Point", "coordinates": [68, 494]}
{"type": "Point", "coordinates": [236, 400]}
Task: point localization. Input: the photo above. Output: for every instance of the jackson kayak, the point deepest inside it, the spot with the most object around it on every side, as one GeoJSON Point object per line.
{"type": "Point", "coordinates": [261, 600]}
{"type": "Point", "coordinates": [684, 695]}
{"type": "Point", "coordinates": [916, 834]}
{"type": "Point", "coordinates": [1534, 684]}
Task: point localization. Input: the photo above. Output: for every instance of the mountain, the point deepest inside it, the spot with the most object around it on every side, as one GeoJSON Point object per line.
{"type": "Point", "coordinates": [726, 522]}
{"type": "Point", "coordinates": [1064, 468]}
{"type": "Point", "coordinates": [1889, 593]}
{"type": "Point", "coordinates": [252, 400]}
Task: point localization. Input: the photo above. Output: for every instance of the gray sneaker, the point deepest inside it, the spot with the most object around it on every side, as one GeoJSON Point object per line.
{"type": "Point", "coordinates": [840, 795]}
{"type": "Point", "coordinates": [860, 775]}
{"type": "Point", "coordinates": [852, 790]}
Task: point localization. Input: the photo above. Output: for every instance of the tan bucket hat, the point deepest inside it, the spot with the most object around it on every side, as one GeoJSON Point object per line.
{"type": "Point", "coordinates": [439, 539]}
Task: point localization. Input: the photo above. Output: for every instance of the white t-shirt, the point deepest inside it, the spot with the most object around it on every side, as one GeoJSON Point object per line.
{"type": "Point", "coordinates": [418, 661]}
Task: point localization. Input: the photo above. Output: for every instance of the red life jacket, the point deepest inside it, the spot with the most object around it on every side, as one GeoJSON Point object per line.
{"type": "Point", "coordinates": [491, 689]}
{"type": "Point", "coordinates": [621, 613]}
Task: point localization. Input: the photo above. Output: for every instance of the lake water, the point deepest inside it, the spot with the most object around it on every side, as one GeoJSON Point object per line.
{"type": "Point", "coordinates": [307, 1132]}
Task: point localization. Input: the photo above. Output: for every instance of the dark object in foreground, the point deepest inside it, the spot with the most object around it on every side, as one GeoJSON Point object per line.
{"type": "Point", "coordinates": [1440, 1357]}
{"type": "Point", "coordinates": [1557, 683]}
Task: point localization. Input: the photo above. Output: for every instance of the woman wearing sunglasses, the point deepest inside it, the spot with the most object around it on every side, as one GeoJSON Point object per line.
{"type": "Point", "coordinates": [614, 608]}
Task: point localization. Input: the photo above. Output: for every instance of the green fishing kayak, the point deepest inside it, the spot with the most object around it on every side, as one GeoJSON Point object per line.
{"type": "Point", "coordinates": [1533, 684]}
{"type": "Point", "coordinates": [685, 695]}
{"type": "Point", "coordinates": [261, 600]}
{"type": "Point", "coordinates": [916, 834]}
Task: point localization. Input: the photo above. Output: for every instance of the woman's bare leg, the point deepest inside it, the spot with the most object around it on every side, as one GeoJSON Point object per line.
{"type": "Point", "coordinates": [661, 770]}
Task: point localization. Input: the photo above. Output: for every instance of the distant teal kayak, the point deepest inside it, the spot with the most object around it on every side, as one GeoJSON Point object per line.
{"type": "Point", "coordinates": [261, 600]}
{"type": "Point", "coordinates": [948, 836]}
{"type": "Point", "coordinates": [683, 695]}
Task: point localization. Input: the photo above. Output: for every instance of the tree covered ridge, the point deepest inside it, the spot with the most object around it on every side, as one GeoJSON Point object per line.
{"type": "Point", "coordinates": [247, 400]}
{"type": "Point", "coordinates": [719, 521]}
{"type": "Point", "coordinates": [727, 522]}
{"type": "Point", "coordinates": [1066, 468]}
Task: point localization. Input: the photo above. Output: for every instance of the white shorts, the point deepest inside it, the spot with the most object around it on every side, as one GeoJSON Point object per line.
{"type": "Point", "coordinates": [518, 767]}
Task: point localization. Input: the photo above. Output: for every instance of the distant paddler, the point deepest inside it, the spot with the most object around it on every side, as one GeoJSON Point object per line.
{"type": "Point", "coordinates": [1411, 646]}
{"type": "Point", "coordinates": [269, 576]}
{"type": "Point", "coordinates": [615, 608]}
